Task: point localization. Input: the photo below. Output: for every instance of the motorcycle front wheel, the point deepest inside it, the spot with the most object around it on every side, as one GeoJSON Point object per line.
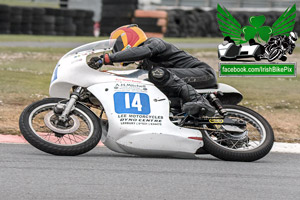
{"type": "Point", "coordinates": [249, 143]}
{"type": "Point", "coordinates": [41, 128]}
{"type": "Point", "coordinates": [274, 54]}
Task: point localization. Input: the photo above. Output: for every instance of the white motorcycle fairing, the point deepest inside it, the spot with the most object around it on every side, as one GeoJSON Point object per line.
{"type": "Point", "coordinates": [137, 112]}
{"type": "Point", "coordinates": [145, 128]}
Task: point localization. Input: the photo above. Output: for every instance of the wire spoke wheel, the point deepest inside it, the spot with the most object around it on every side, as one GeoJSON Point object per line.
{"type": "Point", "coordinates": [251, 137]}
{"type": "Point", "coordinates": [247, 143]}
{"type": "Point", "coordinates": [43, 122]}
{"type": "Point", "coordinates": [42, 128]}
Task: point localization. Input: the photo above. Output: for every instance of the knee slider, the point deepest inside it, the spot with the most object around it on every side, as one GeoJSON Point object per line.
{"type": "Point", "coordinates": [159, 75]}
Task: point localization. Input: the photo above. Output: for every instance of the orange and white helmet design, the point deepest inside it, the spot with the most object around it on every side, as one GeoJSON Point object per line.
{"type": "Point", "coordinates": [127, 36]}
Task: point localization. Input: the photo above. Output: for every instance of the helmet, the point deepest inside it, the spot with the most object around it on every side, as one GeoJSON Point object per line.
{"type": "Point", "coordinates": [127, 36]}
{"type": "Point", "coordinates": [293, 37]}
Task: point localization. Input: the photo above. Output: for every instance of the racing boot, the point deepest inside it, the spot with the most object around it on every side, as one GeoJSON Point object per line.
{"type": "Point", "coordinates": [195, 104]}
{"type": "Point", "coordinates": [283, 58]}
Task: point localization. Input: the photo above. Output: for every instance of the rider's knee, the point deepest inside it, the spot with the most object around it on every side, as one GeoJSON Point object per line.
{"type": "Point", "coordinates": [159, 75]}
{"type": "Point", "coordinates": [212, 77]}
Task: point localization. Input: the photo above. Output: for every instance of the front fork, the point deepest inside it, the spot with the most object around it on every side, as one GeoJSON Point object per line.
{"type": "Point", "coordinates": [63, 110]}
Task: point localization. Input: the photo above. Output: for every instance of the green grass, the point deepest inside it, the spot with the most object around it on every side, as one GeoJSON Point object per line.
{"type": "Point", "coordinates": [271, 93]}
{"type": "Point", "coordinates": [194, 40]}
{"type": "Point", "coordinates": [43, 38]}
{"type": "Point", "coordinates": [18, 87]}
{"type": "Point", "coordinates": [29, 3]}
{"type": "Point", "coordinates": [34, 49]}
{"type": "Point", "coordinates": [26, 72]}
{"type": "Point", "coordinates": [86, 39]}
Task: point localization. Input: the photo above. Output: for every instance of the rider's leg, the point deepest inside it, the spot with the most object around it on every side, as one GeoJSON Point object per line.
{"type": "Point", "coordinates": [194, 103]}
{"type": "Point", "coordinates": [198, 77]}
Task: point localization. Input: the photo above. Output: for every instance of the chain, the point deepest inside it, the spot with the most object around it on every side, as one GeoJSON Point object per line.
{"type": "Point", "coordinates": [204, 118]}
{"type": "Point", "coordinates": [200, 128]}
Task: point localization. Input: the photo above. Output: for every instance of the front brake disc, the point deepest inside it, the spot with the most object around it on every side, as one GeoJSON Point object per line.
{"type": "Point", "coordinates": [62, 130]}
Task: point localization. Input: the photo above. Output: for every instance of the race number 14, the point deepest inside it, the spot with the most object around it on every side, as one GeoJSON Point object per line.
{"type": "Point", "coordinates": [131, 102]}
{"type": "Point", "coordinates": [136, 102]}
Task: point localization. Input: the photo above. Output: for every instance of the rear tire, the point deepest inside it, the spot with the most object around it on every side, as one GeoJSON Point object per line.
{"type": "Point", "coordinates": [223, 152]}
{"type": "Point", "coordinates": [257, 58]}
{"type": "Point", "coordinates": [33, 127]}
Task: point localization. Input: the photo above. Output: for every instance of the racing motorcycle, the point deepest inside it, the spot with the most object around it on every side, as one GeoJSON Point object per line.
{"type": "Point", "coordinates": [130, 115]}
{"type": "Point", "coordinates": [275, 50]}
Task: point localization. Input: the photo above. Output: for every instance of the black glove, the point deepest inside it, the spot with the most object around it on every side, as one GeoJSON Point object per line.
{"type": "Point", "coordinates": [95, 62]}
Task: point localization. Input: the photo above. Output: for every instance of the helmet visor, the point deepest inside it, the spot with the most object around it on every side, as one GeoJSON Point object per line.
{"type": "Point", "coordinates": [119, 45]}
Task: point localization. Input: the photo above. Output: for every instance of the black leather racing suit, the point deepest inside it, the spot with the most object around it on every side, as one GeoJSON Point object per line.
{"type": "Point", "coordinates": [178, 67]}
{"type": "Point", "coordinates": [279, 40]}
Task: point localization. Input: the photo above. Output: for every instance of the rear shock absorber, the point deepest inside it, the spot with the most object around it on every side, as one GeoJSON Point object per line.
{"type": "Point", "coordinates": [212, 98]}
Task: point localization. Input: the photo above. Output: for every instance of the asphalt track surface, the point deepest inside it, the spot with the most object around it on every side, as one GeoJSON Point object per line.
{"type": "Point", "coordinates": [27, 173]}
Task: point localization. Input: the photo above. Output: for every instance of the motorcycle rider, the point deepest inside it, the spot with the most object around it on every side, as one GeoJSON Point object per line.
{"type": "Point", "coordinates": [170, 69]}
{"type": "Point", "coordinates": [288, 42]}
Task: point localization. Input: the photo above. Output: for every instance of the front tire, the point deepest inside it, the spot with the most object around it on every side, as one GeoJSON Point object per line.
{"type": "Point", "coordinates": [259, 132]}
{"type": "Point", "coordinates": [37, 125]}
{"type": "Point", "coordinates": [274, 54]}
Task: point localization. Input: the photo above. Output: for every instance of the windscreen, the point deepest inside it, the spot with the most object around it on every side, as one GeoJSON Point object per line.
{"type": "Point", "coordinates": [104, 45]}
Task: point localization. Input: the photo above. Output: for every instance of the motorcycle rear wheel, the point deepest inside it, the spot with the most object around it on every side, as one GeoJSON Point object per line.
{"type": "Point", "coordinates": [37, 125]}
{"type": "Point", "coordinates": [249, 146]}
